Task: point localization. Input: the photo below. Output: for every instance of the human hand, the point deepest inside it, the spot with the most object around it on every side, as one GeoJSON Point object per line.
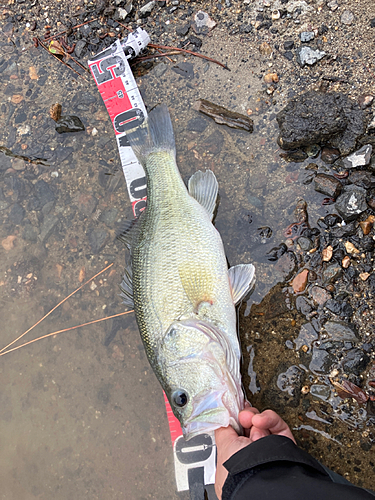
{"type": "Point", "coordinates": [256, 425]}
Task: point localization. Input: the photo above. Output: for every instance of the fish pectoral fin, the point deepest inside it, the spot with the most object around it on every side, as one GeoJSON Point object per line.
{"type": "Point", "coordinates": [126, 287]}
{"type": "Point", "coordinates": [242, 279]}
{"type": "Point", "coordinates": [198, 286]}
{"type": "Point", "coordinates": [204, 188]}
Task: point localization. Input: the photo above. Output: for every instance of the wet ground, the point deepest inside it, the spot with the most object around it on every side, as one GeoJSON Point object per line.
{"type": "Point", "coordinates": [81, 414]}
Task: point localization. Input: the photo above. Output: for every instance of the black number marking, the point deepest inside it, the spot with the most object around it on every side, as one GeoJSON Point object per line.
{"type": "Point", "coordinates": [128, 119]}
{"type": "Point", "coordinates": [110, 67]}
{"type": "Point", "coordinates": [138, 188]}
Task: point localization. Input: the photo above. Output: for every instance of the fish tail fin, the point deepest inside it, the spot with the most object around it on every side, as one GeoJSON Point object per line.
{"type": "Point", "coordinates": [155, 136]}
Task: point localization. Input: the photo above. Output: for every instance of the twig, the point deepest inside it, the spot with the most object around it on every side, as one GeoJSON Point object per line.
{"type": "Point", "coordinates": [45, 48]}
{"type": "Point", "coordinates": [59, 304]}
{"type": "Point", "coordinates": [74, 27]}
{"type": "Point", "coordinates": [65, 330]}
{"type": "Point", "coordinates": [165, 55]}
{"type": "Point", "coordinates": [155, 46]}
{"type": "Point", "coordinates": [162, 54]}
{"type": "Point", "coordinates": [123, 25]}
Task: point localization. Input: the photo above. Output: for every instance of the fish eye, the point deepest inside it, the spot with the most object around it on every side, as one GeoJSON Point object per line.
{"type": "Point", "coordinates": [180, 398]}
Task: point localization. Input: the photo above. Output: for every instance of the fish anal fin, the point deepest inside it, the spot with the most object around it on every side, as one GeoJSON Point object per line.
{"type": "Point", "coordinates": [126, 231]}
{"type": "Point", "coordinates": [242, 279]}
{"type": "Point", "coordinates": [204, 188]}
{"type": "Point", "coordinates": [126, 288]}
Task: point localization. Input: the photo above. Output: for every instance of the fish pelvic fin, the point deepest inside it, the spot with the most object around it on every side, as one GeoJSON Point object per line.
{"type": "Point", "coordinates": [203, 186]}
{"type": "Point", "coordinates": [126, 288]}
{"type": "Point", "coordinates": [242, 279]}
{"type": "Point", "coordinates": [154, 136]}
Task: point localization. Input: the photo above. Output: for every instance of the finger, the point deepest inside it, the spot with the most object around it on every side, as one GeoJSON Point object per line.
{"type": "Point", "coordinates": [271, 421]}
{"type": "Point", "coordinates": [257, 433]}
{"type": "Point", "coordinates": [245, 417]}
{"type": "Point", "coordinates": [224, 436]}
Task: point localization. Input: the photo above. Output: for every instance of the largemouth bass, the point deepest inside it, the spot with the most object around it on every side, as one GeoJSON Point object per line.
{"type": "Point", "coordinates": [184, 296]}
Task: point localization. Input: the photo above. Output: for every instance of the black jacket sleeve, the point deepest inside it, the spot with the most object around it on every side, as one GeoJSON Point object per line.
{"type": "Point", "coordinates": [276, 469]}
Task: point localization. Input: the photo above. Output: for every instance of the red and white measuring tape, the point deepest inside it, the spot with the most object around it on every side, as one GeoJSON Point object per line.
{"type": "Point", "coordinates": [195, 460]}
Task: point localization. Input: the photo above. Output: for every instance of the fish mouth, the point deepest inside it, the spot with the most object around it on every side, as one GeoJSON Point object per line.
{"type": "Point", "coordinates": [212, 411]}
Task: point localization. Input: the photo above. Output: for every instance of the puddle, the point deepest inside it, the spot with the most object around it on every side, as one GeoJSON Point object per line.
{"type": "Point", "coordinates": [82, 414]}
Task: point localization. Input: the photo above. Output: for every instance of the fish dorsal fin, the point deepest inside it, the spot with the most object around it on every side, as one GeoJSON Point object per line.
{"type": "Point", "coordinates": [198, 286]}
{"type": "Point", "coordinates": [203, 187]}
{"type": "Point", "coordinates": [126, 232]}
{"type": "Point", "coordinates": [126, 287]}
{"type": "Point", "coordinates": [242, 279]}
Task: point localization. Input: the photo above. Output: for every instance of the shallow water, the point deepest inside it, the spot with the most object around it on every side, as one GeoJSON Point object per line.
{"type": "Point", "coordinates": [82, 414]}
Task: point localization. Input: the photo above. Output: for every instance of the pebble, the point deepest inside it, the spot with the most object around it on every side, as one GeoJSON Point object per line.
{"type": "Point", "coordinates": [307, 55]}
{"type": "Point", "coordinates": [362, 178]}
{"type": "Point", "coordinates": [160, 69]}
{"type": "Point", "coordinates": [44, 193]}
{"type": "Point", "coordinates": [49, 223]}
{"type": "Point", "coordinates": [330, 155]}
{"type": "Point", "coordinates": [265, 49]}
{"type": "Point", "coordinates": [183, 30]}
{"type": "Point", "coordinates": [333, 5]}
{"type": "Point", "coordinates": [347, 17]}
{"type": "Point", "coordinates": [202, 23]}
{"type": "Point", "coordinates": [303, 305]}
{"type": "Point", "coordinates": [345, 262]}
{"type": "Point", "coordinates": [359, 158]}
{"type": "Point", "coordinates": [327, 254]}
{"type": "Point", "coordinates": [197, 124]}
{"type": "Point", "coordinates": [69, 123]}
{"type": "Point", "coordinates": [98, 239]}
{"type": "Point", "coordinates": [307, 335]}
{"type": "Point", "coordinates": [33, 74]}
{"type": "Point", "coordinates": [331, 273]}
{"type": "Point", "coordinates": [8, 242]}
{"type": "Point", "coordinates": [184, 69]}
{"type": "Point", "coordinates": [319, 295]}
{"type": "Point", "coordinates": [365, 100]}
{"type": "Point", "coordinates": [16, 214]}
{"type": "Point", "coordinates": [340, 332]}
{"type": "Point", "coordinates": [80, 48]}
{"type": "Point", "coordinates": [320, 391]}
{"type": "Point", "coordinates": [327, 184]}
{"type": "Point", "coordinates": [18, 164]}
{"type": "Point", "coordinates": [351, 202]}
{"type": "Point", "coordinates": [307, 36]}
{"type": "Point", "coordinates": [350, 248]}
{"type": "Point", "coordinates": [271, 78]}
{"type": "Point", "coordinates": [289, 45]}
{"type": "Point", "coordinates": [355, 361]}
{"type": "Point", "coordinates": [321, 362]}
{"type": "Point", "coordinates": [147, 8]}
{"type": "Point", "coordinates": [286, 265]}
{"type": "Point", "coordinates": [300, 281]}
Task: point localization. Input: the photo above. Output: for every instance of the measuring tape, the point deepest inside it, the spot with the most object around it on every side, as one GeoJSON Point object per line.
{"type": "Point", "coordinates": [195, 460]}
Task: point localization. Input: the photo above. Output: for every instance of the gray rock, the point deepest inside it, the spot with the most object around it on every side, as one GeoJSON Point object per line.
{"type": "Point", "coordinates": [80, 48]}
{"type": "Point", "coordinates": [311, 118]}
{"type": "Point", "coordinates": [29, 233]}
{"type": "Point", "coordinates": [355, 361]}
{"type": "Point", "coordinates": [321, 361]}
{"type": "Point", "coordinates": [290, 380]}
{"type": "Point", "coordinates": [69, 123]}
{"type": "Point", "coordinates": [330, 155]}
{"type": "Point", "coordinates": [305, 243]}
{"type": "Point", "coordinates": [184, 69]}
{"type": "Point", "coordinates": [98, 239]}
{"type": "Point", "coordinates": [307, 36]}
{"type": "Point", "coordinates": [331, 273]}
{"type": "Point", "coordinates": [328, 185]}
{"type": "Point", "coordinates": [351, 202]}
{"type": "Point", "coordinates": [109, 216]}
{"type": "Point", "coordinates": [307, 55]}
{"type": "Point", "coordinates": [146, 9]}
{"type": "Point", "coordinates": [320, 391]}
{"type": "Point", "coordinates": [49, 224]}
{"type": "Point", "coordinates": [160, 69]}
{"type": "Point", "coordinates": [362, 178]}
{"type": "Point", "coordinates": [319, 295]}
{"type": "Point", "coordinates": [306, 336]}
{"type": "Point", "coordinates": [347, 17]}
{"type": "Point", "coordinates": [16, 214]}
{"type": "Point", "coordinates": [197, 124]}
{"type": "Point", "coordinates": [43, 193]}
{"type": "Point", "coordinates": [359, 158]}
{"type": "Point", "coordinates": [338, 331]}
{"type": "Point", "coordinates": [333, 5]}
{"type": "Point", "coordinates": [303, 305]}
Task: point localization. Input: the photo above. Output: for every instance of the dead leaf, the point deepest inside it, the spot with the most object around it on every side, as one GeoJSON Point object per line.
{"type": "Point", "coordinates": [346, 389]}
{"type": "Point", "coordinates": [33, 73]}
{"type": "Point", "coordinates": [56, 48]}
{"type": "Point", "coordinates": [327, 254]}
